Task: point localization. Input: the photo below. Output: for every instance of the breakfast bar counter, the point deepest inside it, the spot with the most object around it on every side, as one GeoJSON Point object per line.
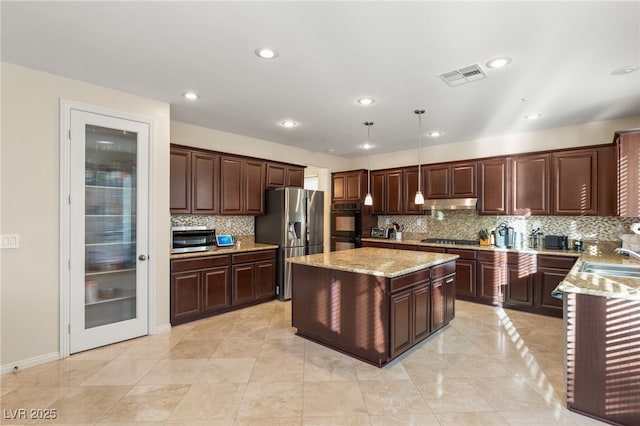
{"type": "Point", "coordinates": [371, 303]}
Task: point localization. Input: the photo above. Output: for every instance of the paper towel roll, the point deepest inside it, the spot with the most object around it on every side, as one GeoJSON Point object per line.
{"type": "Point", "coordinates": [635, 228]}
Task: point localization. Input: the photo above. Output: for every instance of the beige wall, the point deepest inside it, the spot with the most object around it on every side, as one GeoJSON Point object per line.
{"type": "Point", "coordinates": [30, 203]}
{"type": "Point", "coordinates": [594, 133]}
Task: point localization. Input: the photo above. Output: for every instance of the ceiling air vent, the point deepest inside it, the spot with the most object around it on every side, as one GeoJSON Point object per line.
{"type": "Point", "coordinates": [463, 75]}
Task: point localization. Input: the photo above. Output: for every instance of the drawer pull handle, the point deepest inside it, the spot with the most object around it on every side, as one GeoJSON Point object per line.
{"type": "Point", "coordinates": [450, 280]}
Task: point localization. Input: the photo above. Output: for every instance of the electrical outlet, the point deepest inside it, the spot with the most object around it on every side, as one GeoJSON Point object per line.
{"type": "Point", "coordinates": [387, 221]}
{"type": "Point", "coordinates": [227, 223]}
{"type": "Point", "coordinates": [419, 222]}
{"type": "Point", "coordinates": [10, 241]}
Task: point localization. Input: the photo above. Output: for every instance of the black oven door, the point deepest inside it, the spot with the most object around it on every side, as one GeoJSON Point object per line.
{"type": "Point", "coordinates": [346, 222]}
{"type": "Point", "coordinates": [342, 243]}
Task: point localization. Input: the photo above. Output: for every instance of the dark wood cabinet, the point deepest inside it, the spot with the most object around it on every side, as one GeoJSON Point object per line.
{"type": "Point", "coordinates": [386, 190]}
{"type": "Point", "coordinates": [491, 277]}
{"type": "Point", "coordinates": [193, 181]}
{"type": "Point", "coordinates": [520, 279]}
{"type": "Point", "coordinates": [530, 186]}
{"type": "Point", "coordinates": [493, 182]}
{"type": "Point", "coordinates": [199, 287]}
{"type": "Point", "coordinates": [410, 187]}
{"type": "Point", "coordinates": [575, 180]}
{"type": "Point", "coordinates": [421, 312]}
{"type": "Point", "coordinates": [280, 175]}
{"type": "Point", "coordinates": [348, 186]}
{"type": "Point", "coordinates": [628, 155]}
{"type": "Point", "coordinates": [465, 273]}
{"type": "Point", "coordinates": [253, 276]}
{"type": "Point", "coordinates": [453, 180]}
{"type": "Point", "coordinates": [443, 294]}
{"type": "Point", "coordinates": [551, 271]}
{"type": "Point", "coordinates": [401, 321]}
{"type": "Point", "coordinates": [242, 186]}
{"type": "Point", "coordinates": [378, 192]}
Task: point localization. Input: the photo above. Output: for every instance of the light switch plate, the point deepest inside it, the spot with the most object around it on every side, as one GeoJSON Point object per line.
{"type": "Point", "coordinates": [10, 241]}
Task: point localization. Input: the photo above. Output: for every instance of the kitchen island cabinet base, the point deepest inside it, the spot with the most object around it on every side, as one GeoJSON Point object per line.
{"type": "Point", "coordinates": [360, 314]}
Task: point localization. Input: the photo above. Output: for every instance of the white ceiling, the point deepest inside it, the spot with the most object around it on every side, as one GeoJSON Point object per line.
{"type": "Point", "coordinates": [331, 53]}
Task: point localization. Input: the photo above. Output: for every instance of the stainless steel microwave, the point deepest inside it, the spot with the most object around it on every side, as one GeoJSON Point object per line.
{"type": "Point", "coordinates": [186, 239]}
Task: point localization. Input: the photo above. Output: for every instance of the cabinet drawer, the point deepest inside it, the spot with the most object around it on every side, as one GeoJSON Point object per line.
{"type": "Point", "coordinates": [180, 265]}
{"type": "Point", "coordinates": [409, 280]}
{"type": "Point", "coordinates": [464, 254]}
{"type": "Point", "coordinates": [492, 256]}
{"type": "Point", "coordinates": [253, 256]}
{"type": "Point", "coordinates": [560, 262]}
{"type": "Point", "coordinates": [522, 259]}
{"type": "Point", "coordinates": [444, 269]}
{"type": "Point", "coordinates": [432, 249]}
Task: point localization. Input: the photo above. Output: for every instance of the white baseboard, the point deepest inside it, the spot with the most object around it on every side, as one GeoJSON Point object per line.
{"type": "Point", "coordinates": [161, 329]}
{"type": "Point", "coordinates": [29, 362]}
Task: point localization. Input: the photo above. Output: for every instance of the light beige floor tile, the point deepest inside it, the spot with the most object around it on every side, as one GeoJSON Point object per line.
{"type": "Point", "coordinates": [233, 346]}
{"type": "Point", "coordinates": [333, 399]}
{"type": "Point", "coordinates": [287, 421]}
{"type": "Point", "coordinates": [280, 330]}
{"type": "Point", "coordinates": [450, 341]}
{"type": "Point", "coordinates": [265, 400]}
{"type": "Point", "coordinates": [62, 373]}
{"type": "Point", "coordinates": [336, 421]}
{"type": "Point", "coordinates": [32, 397]}
{"type": "Point", "coordinates": [226, 370]}
{"type": "Point", "coordinates": [275, 348]}
{"type": "Point", "coordinates": [208, 422]}
{"type": "Point", "coordinates": [509, 393]}
{"type": "Point", "coordinates": [109, 352]}
{"type": "Point", "coordinates": [471, 419]}
{"type": "Point", "coordinates": [88, 403]}
{"type": "Point", "coordinates": [287, 369]}
{"type": "Point", "coordinates": [149, 349]}
{"type": "Point", "coordinates": [392, 371]}
{"type": "Point", "coordinates": [392, 397]}
{"type": "Point", "coordinates": [194, 349]}
{"type": "Point", "coordinates": [478, 365]}
{"type": "Point", "coordinates": [204, 401]}
{"type": "Point", "coordinates": [174, 371]}
{"type": "Point", "coordinates": [147, 403]}
{"type": "Point", "coordinates": [422, 419]}
{"type": "Point", "coordinates": [517, 418]}
{"type": "Point", "coordinates": [121, 372]}
{"type": "Point", "coordinates": [451, 396]}
{"type": "Point", "coordinates": [327, 366]}
{"type": "Point", "coordinates": [434, 367]}
{"type": "Point", "coordinates": [211, 331]}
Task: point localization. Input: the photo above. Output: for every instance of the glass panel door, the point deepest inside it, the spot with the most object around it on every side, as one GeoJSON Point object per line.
{"type": "Point", "coordinates": [108, 229]}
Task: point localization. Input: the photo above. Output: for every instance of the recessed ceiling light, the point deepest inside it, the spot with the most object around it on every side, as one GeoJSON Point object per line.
{"type": "Point", "coordinates": [532, 116]}
{"type": "Point", "coordinates": [366, 100]}
{"type": "Point", "coordinates": [266, 53]}
{"type": "Point", "coordinates": [288, 124]}
{"type": "Point", "coordinates": [499, 62]}
{"type": "Point", "coordinates": [366, 145]}
{"type": "Point", "coordinates": [435, 133]}
{"type": "Point", "coordinates": [525, 99]}
{"type": "Point", "coordinates": [192, 96]}
{"type": "Point", "coordinates": [624, 70]}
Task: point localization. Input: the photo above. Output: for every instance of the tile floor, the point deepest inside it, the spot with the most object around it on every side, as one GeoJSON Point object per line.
{"type": "Point", "coordinates": [488, 367]}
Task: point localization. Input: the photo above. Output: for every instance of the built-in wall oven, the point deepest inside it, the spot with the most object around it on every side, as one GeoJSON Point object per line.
{"type": "Point", "coordinates": [346, 226]}
{"type": "Point", "coordinates": [186, 239]}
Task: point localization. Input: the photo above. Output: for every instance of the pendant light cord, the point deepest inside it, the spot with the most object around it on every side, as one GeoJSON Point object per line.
{"type": "Point", "coordinates": [419, 112]}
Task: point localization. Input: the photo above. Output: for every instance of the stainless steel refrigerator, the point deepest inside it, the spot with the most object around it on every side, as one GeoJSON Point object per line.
{"type": "Point", "coordinates": [293, 219]}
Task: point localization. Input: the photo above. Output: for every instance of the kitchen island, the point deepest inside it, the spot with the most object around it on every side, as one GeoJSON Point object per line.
{"type": "Point", "coordinates": [372, 303]}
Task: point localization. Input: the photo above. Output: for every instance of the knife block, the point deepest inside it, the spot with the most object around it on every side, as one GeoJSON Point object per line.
{"type": "Point", "coordinates": [485, 242]}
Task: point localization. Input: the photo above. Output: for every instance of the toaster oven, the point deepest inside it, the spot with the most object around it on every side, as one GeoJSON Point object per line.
{"type": "Point", "coordinates": [379, 232]}
{"type": "Point", "coordinates": [186, 239]}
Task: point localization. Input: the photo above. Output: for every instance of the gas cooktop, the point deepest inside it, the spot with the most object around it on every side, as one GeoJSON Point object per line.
{"type": "Point", "coordinates": [450, 241]}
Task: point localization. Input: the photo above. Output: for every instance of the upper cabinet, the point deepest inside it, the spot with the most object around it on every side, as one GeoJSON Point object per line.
{"type": "Point", "coordinates": [284, 175]}
{"type": "Point", "coordinates": [493, 179]}
{"type": "Point", "coordinates": [575, 180]}
{"type": "Point", "coordinates": [193, 182]}
{"type": "Point", "coordinates": [530, 186]}
{"type": "Point", "coordinates": [349, 186]}
{"type": "Point", "coordinates": [628, 147]}
{"type": "Point", "coordinates": [453, 180]}
{"type": "Point", "coordinates": [386, 190]}
{"type": "Point", "coordinates": [410, 186]}
{"type": "Point", "coordinates": [242, 186]}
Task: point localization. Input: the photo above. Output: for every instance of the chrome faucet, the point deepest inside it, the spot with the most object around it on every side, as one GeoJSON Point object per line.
{"type": "Point", "coordinates": [627, 251]}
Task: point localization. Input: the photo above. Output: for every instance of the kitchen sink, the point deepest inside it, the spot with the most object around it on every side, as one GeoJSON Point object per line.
{"type": "Point", "coordinates": [614, 269]}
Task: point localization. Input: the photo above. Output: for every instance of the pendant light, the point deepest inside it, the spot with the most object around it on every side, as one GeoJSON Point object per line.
{"type": "Point", "coordinates": [368, 199]}
{"type": "Point", "coordinates": [419, 197]}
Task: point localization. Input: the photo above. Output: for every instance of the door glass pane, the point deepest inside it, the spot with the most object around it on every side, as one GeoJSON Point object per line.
{"type": "Point", "coordinates": [110, 225]}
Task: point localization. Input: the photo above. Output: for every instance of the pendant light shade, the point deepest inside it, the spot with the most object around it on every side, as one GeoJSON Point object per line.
{"type": "Point", "coordinates": [368, 199]}
{"type": "Point", "coordinates": [419, 200]}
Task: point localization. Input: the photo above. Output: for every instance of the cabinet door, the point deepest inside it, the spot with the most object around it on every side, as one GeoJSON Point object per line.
{"type": "Point", "coordinates": [466, 278]}
{"type": "Point", "coordinates": [231, 185]}
{"type": "Point", "coordinates": [242, 284]}
{"type": "Point", "coordinates": [265, 276]}
{"type": "Point", "coordinates": [463, 180]}
{"type": "Point", "coordinates": [530, 185]}
{"type": "Point", "coordinates": [547, 280]}
{"type": "Point", "coordinates": [575, 182]}
{"type": "Point", "coordinates": [295, 177]}
{"type": "Point", "coordinates": [180, 180]}
{"type": "Point", "coordinates": [276, 175]}
{"type": "Point", "coordinates": [378, 192]}
{"type": "Point", "coordinates": [378, 244]}
{"type": "Point", "coordinates": [204, 186]}
{"type": "Point", "coordinates": [629, 170]}
{"type": "Point", "coordinates": [422, 312]}
{"type": "Point", "coordinates": [186, 295]}
{"type": "Point", "coordinates": [438, 304]}
{"type": "Point", "coordinates": [437, 182]}
{"type": "Point", "coordinates": [394, 192]}
{"type": "Point", "coordinates": [520, 282]}
{"type": "Point", "coordinates": [215, 289]}
{"type": "Point", "coordinates": [354, 190]}
{"type": "Point", "coordinates": [493, 182]}
{"type": "Point", "coordinates": [253, 191]}
{"type": "Point", "coordinates": [338, 187]}
{"type": "Point", "coordinates": [401, 322]}
{"type": "Point", "coordinates": [450, 298]}
{"type": "Point", "coordinates": [410, 185]}
{"type": "Point", "coordinates": [491, 279]}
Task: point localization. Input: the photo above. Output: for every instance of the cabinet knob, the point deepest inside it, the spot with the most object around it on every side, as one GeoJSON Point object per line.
{"type": "Point", "coordinates": [142, 257]}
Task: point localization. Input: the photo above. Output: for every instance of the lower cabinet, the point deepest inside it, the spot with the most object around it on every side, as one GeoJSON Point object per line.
{"type": "Point", "coordinates": [443, 296]}
{"type": "Point", "coordinates": [491, 277]}
{"type": "Point", "coordinates": [465, 273]}
{"type": "Point", "coordinates": [520, 274]}
{"type": "Point", "coordinates": [410, 313]}
{"type": "Point", "coordinates": [551, 271]}
{"type": "Point", "coordinates": [205, 286]}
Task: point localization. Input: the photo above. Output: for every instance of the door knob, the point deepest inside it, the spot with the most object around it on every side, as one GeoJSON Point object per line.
{"type": "Point", "coordinates": [142, 257]}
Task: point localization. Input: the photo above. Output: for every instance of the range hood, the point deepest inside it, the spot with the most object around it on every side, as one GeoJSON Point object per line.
{"type": "Point", "coordinates": [451, 204]}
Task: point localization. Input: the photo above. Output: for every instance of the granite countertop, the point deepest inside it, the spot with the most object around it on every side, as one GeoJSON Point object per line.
{"type": "Point", "coordinates": [244, 247]}
{"type": "Point", "coordinates": [388, 263]}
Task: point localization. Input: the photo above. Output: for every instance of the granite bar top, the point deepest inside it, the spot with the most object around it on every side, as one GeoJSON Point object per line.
{"type": "Point", "coordinates": [383, 262]}
{"type": "Point", "coordinates": [245, 246]}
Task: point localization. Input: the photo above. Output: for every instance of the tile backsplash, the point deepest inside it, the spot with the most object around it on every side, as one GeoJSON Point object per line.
{"type": "Point", "coordinates": [233, 225]}
{"type": "Point", "coordinates": [465, 224]}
